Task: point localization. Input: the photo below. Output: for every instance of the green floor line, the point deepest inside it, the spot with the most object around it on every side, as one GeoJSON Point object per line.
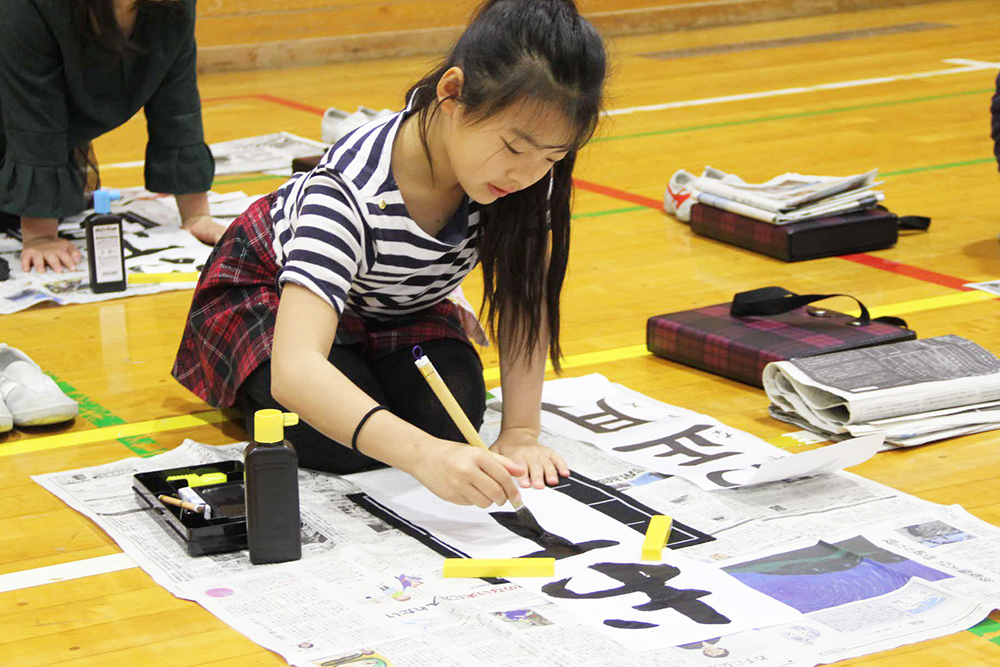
{"type": "Point", "coordinates": [100, 416]}
{"type": "Point", "coordinates": [936, 167]}
{"type": "Point", "coordinates": [792, 116]}
{"type": "Point", "coordinates": [250, 179]}
{"type": "Point", "coordinates": [987, 627]}
{"type": "Point", "coordinates": [716, 126]}
{"type": "Point", "coordinates": [596, 214]}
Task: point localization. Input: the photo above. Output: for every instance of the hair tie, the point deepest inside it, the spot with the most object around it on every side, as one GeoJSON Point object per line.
{"type": "Point", "coordinates": [354, 438]}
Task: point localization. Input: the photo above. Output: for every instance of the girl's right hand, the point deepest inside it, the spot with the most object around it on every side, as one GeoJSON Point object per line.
{"type": "Point", "coordinates": [467, 475]}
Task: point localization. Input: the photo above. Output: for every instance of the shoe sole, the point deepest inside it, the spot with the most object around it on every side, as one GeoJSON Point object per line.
{"type": "Point", "coordinates": [44, 421]}
{"type": "Point", "coordinates": [45, 416]}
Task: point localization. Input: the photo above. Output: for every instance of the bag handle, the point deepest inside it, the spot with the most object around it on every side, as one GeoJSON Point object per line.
{"type": "Point", "coordinates": [777, 300]}
{"type": "Point", "coordinates": [914, 222]}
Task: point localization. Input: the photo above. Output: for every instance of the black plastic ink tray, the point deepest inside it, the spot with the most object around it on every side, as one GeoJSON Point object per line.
{"type": "Point", "coordinates": [225, 531]}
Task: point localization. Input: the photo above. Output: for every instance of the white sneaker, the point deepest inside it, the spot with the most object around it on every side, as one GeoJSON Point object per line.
{"type": "Point", "coordinates": [6, 419]}
{"type": "Point", "coordinates": [373, 114]}
{"type": "Point", "coordinates": [31, 396]}
{"type": "Point", "coordinates": [680, 195]}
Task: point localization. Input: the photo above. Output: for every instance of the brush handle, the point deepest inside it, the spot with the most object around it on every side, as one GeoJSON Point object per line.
{"type": "Point", "coordinates": [452, 407]}
{"type": "Point", "coordinates": [447, 399]}
{"type": "Point", "coordinates": [191, 507]}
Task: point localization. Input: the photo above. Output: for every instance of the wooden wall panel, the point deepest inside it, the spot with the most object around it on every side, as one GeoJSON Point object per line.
{"type": "Point", "coordinates": [233, 34]}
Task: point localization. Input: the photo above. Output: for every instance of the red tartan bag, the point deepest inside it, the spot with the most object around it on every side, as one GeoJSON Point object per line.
{"type": "Point", "coordinates": [738, 339]}
{"type": "Point", "coordinates": [842, 234]}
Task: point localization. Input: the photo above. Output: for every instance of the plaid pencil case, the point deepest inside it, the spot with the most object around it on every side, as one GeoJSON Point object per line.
{"type": "Point", "coordinates": [737, 339]}
{"type": "Point", "coordinates": [860, 231]}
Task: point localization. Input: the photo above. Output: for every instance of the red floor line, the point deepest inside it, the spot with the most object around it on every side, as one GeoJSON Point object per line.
{"type": "Point", "coordinates": [225, 98]}
{"type": "Point", "coordinates": [908, 270]}
{"type": "Point", "coordinates": [860, 258]}
{"type": "Point", "coordinates": [274, 99]}
{"type": "Point", "coordinates": [618, 194]}
{"type": "Point", "coordinates": [291, 103]}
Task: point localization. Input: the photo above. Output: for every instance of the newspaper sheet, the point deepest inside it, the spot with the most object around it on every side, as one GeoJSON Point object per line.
{"type": "Point", "coordinates": [914, 391]}
{"type": "Point", "coordinates": [263, 153]}
{"type": "Point", "coordinates": [398, 611]}
{"type": "Point", "coordinates": [366, 582]}
{"type": "Point", "coordinates": [855, 201]}
{"type": "Point", "coordinates": [990, 286]}
{"type": "Point", "coordinates": [153, 241]}
{"type": "Point", "coordinates": [670, 440]}
{"type": "Point", "coordinates": [784, 199]}
{"type": "Point", "coordinates": [782, 193]}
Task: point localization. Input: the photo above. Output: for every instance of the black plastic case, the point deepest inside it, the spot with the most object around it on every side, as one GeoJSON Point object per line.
{"type": "Point", "coordinates": [199, 536]}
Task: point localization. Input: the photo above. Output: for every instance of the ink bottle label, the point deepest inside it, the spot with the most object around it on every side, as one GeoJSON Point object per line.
{"type": "Point", "coordinates": [108, 267]}
{"type": "Point", "coordinates": [105, 245]}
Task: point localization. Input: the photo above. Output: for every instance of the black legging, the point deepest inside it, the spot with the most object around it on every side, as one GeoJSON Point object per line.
{"type": "Point", "coordinates": [393, 381]}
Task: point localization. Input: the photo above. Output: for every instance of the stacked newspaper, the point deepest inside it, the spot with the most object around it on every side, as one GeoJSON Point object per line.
{"type": "Point", "coordinates": [781, 200]}
{"type": "Point", "coordinates": [914, 392]}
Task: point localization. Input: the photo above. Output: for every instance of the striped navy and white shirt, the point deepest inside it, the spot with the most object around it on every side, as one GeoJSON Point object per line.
{"type": "Point", "coordinates": [343, 232]}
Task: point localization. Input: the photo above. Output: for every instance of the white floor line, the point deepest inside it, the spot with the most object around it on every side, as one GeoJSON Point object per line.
{"type": "Point", "coordinates": [122, 165]}
{"type": "Point", "coordinates": [51, 574]}
{"type": "Point", "coordinates": [964, 66]}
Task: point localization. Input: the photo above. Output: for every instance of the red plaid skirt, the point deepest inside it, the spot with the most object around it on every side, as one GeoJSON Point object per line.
{"type": "Point", "coordinates": [230, 327]}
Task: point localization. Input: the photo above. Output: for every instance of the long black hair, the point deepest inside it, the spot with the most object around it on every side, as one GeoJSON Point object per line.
{"type": "Point", "coordinates": [95, 22]}
{"type": "Point", "coordinates": [541, 52]}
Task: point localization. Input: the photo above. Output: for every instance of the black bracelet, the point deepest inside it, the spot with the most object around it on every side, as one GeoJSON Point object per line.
{"type": "Point", "coordinates": [354, 438]}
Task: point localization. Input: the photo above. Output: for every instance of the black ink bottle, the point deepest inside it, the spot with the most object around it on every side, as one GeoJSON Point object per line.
{"type": "Point", "coordinates": [271, 480]}
{"type": "Point", "coordinates": [105, 249]}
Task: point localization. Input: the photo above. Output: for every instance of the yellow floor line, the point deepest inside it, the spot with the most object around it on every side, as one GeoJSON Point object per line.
{"type": "Point", "coordinates": [114, 432]}
{"type": "Point", "coordinates": [586, 359]}
{"type": "Point", "coordinates": [931, 303]}
{"type": "Point", "coordinates": [185, 277]}
{"type": "Point", "coordinates": [490, 374]}
{"type": "Point", "coordinates": [794, 439]}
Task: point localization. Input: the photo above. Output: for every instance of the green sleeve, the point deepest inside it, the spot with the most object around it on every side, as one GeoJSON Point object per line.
{"type": "Point", "coordinates": [37, 177]}
{"type": "Point", "coordinates": [177, 159]}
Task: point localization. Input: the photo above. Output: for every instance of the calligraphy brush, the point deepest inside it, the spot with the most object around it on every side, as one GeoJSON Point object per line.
{"type": "Point", "coordinates": [440, 389]}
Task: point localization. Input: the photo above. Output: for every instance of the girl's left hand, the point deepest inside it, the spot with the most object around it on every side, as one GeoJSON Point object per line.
{"type": "Point", "coordinates": [543, 465]}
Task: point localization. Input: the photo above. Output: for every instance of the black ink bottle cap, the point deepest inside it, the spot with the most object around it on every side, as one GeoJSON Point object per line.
{"type": "Point", "coordinates": [105, 245]}
{"type": "Point", "coordinates": [271, 482]}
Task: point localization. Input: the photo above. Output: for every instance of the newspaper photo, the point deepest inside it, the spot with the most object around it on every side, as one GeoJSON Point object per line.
{"type": "Point", "coordinates": [914, 392]}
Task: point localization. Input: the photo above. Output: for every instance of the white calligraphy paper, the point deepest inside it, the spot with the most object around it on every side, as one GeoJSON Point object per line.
{"type": "Point", "coordinates": [640, 604]}
{"type": "Point", "coordinates": [651, 434]}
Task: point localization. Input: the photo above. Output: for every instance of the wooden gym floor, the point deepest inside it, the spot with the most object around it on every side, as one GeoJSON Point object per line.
{"type": "Point", "coordinates": [912, 97]}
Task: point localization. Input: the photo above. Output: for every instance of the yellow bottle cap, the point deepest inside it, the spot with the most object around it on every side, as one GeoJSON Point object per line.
{"type": "Point", "coordinates": [269, 425]}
